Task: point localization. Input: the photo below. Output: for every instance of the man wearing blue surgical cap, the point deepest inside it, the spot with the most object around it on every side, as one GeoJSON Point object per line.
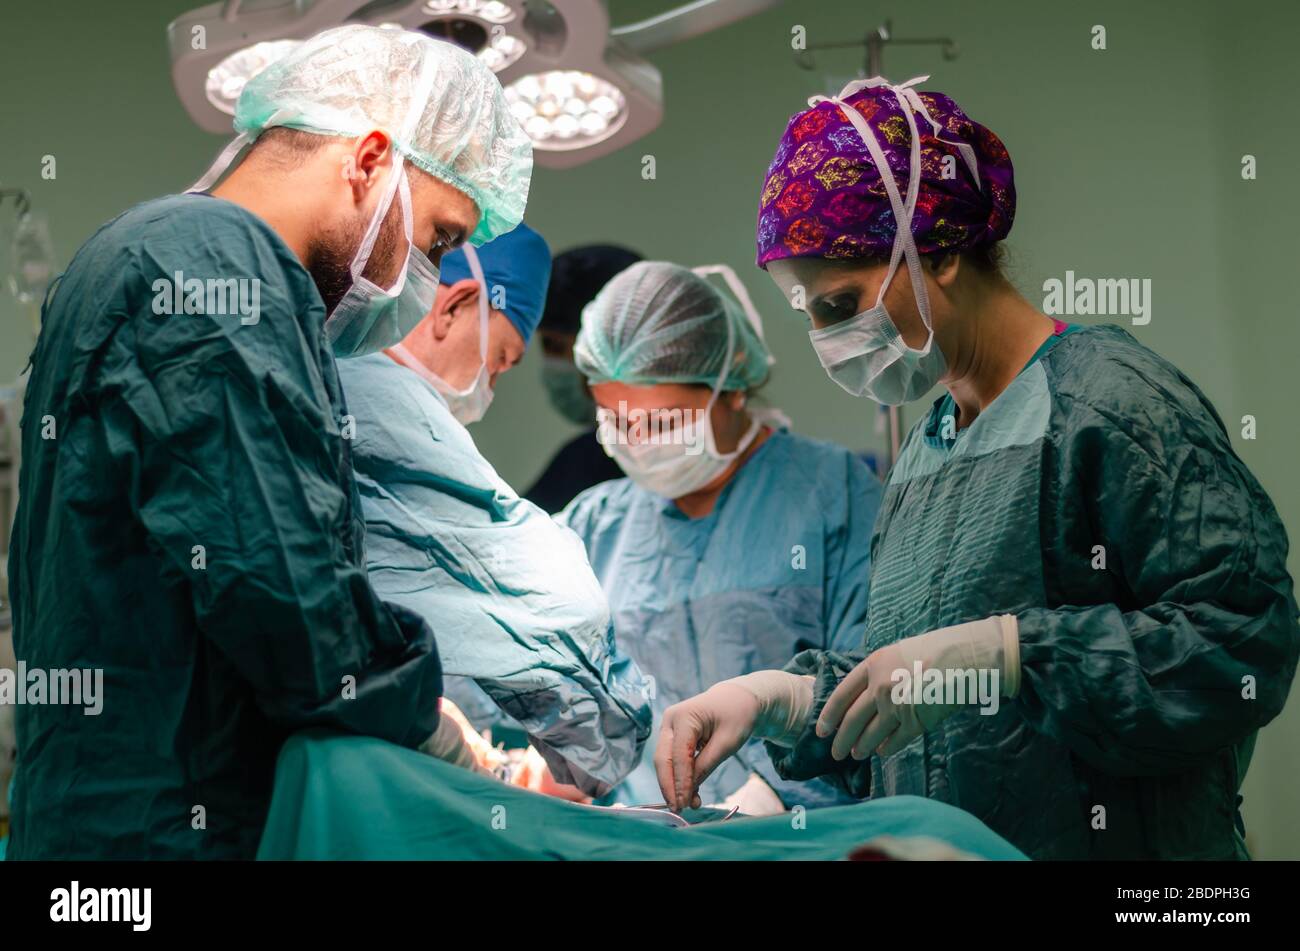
{"type": "Point", "coordinates": [524, 629]}
{"type": "Point", "coordinates": [471, 337]}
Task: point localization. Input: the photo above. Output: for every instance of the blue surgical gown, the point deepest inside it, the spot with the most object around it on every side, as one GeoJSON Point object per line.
{"type": "Point", "coordinates": [1099, 500]}
{"type": "Point", "coordinates": [517, 607]}
{"type": "Point", "coordinates": [780, 565]}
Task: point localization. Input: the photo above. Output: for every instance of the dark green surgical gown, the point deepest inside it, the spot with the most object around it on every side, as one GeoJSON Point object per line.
{"type": "Point", "coordinates": [1144, 677]}
{"type": "Point", "coordinates": [188, 524]}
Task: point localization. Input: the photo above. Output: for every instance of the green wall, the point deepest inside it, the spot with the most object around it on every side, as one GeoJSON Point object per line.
{"type": "Point", "coordinates": [1127, 165]}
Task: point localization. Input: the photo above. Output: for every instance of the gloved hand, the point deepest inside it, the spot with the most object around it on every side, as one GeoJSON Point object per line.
{"type": "Point", "coordinates": [457, 742]}
{"type": "Point", "coordinates": [699, 733]}
{"type": "Point", "coordinates": [861, 711]}
{"type": "Point", "coordinates": [533, 774]}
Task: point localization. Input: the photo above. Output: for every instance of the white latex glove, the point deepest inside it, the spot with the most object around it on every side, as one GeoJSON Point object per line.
{"type": "Point", "coordinates": [457, 742]}
{"type": "Point", "coordinates": [699, 733]}
{"type": "Point", "coordinates": [861, 712]}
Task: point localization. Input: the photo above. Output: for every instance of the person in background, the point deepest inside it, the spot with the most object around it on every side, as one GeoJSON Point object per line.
{"type": "Point", "coordinates": [1068, 522]}
{"type": "Point", "coordinates": [192, 530]}
{"type": "Point", "coordinates": [733, 543]}
{"type": "Point", "coordinates": [524, 628]}
{"type": "Point", "coordinates": [576, 277]}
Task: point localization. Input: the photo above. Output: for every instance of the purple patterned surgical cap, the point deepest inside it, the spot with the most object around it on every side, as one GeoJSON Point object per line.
{"type": "Point", "coordinates": [823, 196]}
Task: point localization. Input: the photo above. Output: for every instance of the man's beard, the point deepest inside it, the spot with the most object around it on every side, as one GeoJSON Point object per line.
{"type": "Point", "coordinates": [330, 260]}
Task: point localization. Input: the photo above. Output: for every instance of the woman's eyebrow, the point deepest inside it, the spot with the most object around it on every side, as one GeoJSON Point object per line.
{"type": "Point", "coordinates": [833, 291]}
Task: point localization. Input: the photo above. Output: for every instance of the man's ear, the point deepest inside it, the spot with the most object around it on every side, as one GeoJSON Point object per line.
{"type": "Point", "coordinates": [372, 156]}
{"type": "Point", "coordinates": [464, 293]}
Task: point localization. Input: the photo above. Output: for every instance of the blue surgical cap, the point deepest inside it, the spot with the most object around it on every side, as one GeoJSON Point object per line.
{"type": "Point", "coordinates": [519, 264]}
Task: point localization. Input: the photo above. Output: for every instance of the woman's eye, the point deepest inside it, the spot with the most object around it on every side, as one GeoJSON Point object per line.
{"type": "Point", "coordinates": [833, 310]}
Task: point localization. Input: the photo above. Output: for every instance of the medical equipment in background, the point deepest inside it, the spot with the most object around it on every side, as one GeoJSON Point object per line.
{"type": "Point", "coordinates": [32, 254]}
{"type": "Point", "coordinates": [579, 88]}
{"type": "Point", "coordinates": [889, 418]}
{"type": "Point", "coordinates": [31, 270]}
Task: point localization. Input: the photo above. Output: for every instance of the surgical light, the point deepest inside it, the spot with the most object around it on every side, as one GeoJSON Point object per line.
{"type": "Point", "coordinates": [502, 51]}
{"type": "Point", "coordinates": [566, 109]}
{"type": "Point", "coordinates": [494, 11]}
{"type": "Point", "coordinates": [580, 88]}
{"type": "Point", "coordinates": [226, 80]}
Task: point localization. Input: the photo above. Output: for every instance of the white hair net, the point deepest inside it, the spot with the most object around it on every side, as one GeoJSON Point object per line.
{"type": "Point", "coordinates": [351, 79]}
{"type": "Point", "coordinates": [658, 322]}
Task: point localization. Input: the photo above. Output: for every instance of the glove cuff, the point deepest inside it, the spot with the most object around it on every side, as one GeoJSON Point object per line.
{"type": "Point", "coordinates": [448, 743]}
{"type": "Point", "coordinates": [785, 702]}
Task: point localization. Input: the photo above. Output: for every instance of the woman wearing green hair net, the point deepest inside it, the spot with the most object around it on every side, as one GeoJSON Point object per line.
{"type": "Point", "coordinates": [733, 544]}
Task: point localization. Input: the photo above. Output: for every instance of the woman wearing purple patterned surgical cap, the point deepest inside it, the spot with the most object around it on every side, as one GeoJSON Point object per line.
{"type": "Point", "coordinates": [1074, 579]}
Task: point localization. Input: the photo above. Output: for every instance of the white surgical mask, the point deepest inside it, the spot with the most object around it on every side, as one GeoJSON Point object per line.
{"type": "Point", "coordinates": [866, 355]}
{"type": "Point", "coordinates": [678, 463]}
{"type": "Point", "coordinates": [370, 317]}
{"type": "Point", "coordinates": [468, 404]}
{"type": "Point", "coordinates": [685, 461]}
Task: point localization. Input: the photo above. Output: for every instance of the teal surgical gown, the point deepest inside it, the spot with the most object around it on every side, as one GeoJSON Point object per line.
{"type": "Point", "coordinates": [510, 592]}
{"type": "Point", "coordinates": [1099, 500]}
{"type": "Point", "coordinates": [778, 566]}
{"type": "Point", "coordinates": [188, 524]}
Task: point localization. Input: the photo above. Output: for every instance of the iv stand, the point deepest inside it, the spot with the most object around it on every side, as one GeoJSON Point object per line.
{"type": "Point", "coordinates": [875, 42]}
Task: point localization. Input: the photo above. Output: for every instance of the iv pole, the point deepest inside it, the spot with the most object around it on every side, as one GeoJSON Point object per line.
{"type": "Point", "coordinates": [875, 42]}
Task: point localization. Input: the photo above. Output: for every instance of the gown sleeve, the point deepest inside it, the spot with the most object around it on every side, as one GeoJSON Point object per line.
{"type": "Point", "coordinates": [241, 481]}
{"type": "Point", "coordinates": [810, 756]}
{"type": "Point", "coordinates": [1200, 650]}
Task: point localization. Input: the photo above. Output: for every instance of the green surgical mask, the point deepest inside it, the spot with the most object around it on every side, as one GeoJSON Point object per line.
{"type": "Point", "coordinates": [567, 389]}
